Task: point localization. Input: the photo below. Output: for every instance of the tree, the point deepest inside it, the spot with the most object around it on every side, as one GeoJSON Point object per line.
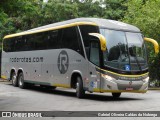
{"type": "Point", "coordinates": [115, 9]}
{"type": "Point", "coordinates": [17, 15]}
{"type": "Point", "coordinates": [57, 10]}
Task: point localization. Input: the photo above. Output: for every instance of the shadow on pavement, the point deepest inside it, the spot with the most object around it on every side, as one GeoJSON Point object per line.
{"type": "Point", "coordinates": [71, 93]}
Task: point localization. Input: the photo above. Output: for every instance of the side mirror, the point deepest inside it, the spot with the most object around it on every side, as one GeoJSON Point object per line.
{"type": "Point", "coordinates": [155, 43]}
{"type": "Point", "coordinates": [102, 40]}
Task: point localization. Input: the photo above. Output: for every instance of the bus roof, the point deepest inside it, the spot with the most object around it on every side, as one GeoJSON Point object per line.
{"type": "Point", "coordinates": [102, 23]}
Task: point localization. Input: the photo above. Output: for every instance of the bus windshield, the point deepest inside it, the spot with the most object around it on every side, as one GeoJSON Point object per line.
{"type": "Point", "coordinates": [125, 51]}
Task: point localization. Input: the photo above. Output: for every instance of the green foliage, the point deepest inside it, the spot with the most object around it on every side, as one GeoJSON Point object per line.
{"type": "Point", "coordinates": [154, 68]}
{"type": "Point", "coordinates": [115, 9]}
{"type": "Point", "coordinates": [56, 10]}
{"type": "Point", "coordinates": [145, 16]}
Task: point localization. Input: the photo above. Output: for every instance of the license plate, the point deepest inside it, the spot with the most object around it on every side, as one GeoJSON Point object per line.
{"type": "Point", "coordinates": [129, 88]}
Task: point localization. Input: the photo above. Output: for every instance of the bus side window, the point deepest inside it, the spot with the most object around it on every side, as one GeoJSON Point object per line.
{"type": "Point", "coordinates": [40, 43]}
{"type": "Point", "coordinates": [94, 52]}
{"type": "Point", "coordinates": [87, 51]}
{"type": "Point", "coordinates": [52, 40]}
{"type": "Point", "coordinates": [30, 42]}
{"type": "Point", "coordinates": [19, 43]}
{"type": "Point", "coordinates": [85, 30]}
{"type": "Point", "coordinates": [70, 39]}
{"type": "Point", "coordinates": [26, 47]}
{"type": "Point", "coordinates": [9, 44]}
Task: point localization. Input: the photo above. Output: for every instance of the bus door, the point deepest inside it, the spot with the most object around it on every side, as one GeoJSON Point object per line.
{"type": "Point", "coordinates": [94, 58]}
{"type": "Point", "coordinates": [97, 45]}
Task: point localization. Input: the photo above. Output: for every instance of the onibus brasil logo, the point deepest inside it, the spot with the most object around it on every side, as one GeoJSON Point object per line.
{"type": "Point", "coordinates": [63, 62]}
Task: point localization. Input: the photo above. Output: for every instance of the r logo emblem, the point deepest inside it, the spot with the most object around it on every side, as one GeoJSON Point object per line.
{"type": "Point", "coordinates": [63, 62]}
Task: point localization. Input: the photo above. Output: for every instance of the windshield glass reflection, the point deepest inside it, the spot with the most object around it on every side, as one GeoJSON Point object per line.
{"type": "Point", "coordinates": [125, 50]}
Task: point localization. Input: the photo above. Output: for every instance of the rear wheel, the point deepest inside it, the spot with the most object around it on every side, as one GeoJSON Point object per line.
{"type": "Point", "coordinates": [116, 95]}
{"type": "Point", "coordinates": [79, 88]}
{"type": "Point", "coordinates": [21, 82]}
{"type": "Point", "coordinates": [14, 79]}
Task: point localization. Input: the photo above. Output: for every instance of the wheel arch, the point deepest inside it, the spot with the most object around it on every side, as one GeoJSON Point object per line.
{"type": "Point", "coordinates": [73, 80]}
{"type": "Point", "coordinates": [19, 71]}
{"type": "Point", "coordinates": [11, 72]}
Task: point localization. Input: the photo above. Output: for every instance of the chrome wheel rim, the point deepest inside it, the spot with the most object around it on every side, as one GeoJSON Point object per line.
{"type": "Point", "coordinates": [14, 79]}
{"type": "Point", "coordinates": [77, 87]}
{"type": "Point", "coordinates": [20, 81]}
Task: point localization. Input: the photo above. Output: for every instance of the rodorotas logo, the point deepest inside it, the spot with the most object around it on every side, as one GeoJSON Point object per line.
{"type": "Point", "coordinates": [63, 62]}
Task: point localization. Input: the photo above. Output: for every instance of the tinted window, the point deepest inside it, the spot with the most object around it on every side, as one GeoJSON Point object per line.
{"type": "Point", "coordinates": [37, 41]}
{"type": "Point", "coordinates": [53, 39]}
{"type": "Point", "coordinates": [70, 39]}
{"type": "Point", "coordinates": [19, 43]}
{"type": "Point", "coordinates": [63, 38]}
{"type": "Point", "coordinates": [8, 45]}
{"type": "Point", "coordinates": [94, 53]}
{"type": "Point", "coordinates": [29, 42]}
{"type": "Point", "coordinates": [85, 30]}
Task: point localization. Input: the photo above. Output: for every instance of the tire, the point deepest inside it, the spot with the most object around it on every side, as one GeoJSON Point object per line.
{"type": "Point", "coordinates": [14, 79]}
{"type": "Point", "coordinates": [21, 82]}
{"type": "Point", "coordinates": [116, 95]}
{"type": "Point", "coordinates": [79, 88]}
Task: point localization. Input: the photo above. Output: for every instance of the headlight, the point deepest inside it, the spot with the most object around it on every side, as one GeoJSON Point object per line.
{"type": "Point", "coordinates": [146, 79]}
{"type": "Point", "coordinates": [107, 77]}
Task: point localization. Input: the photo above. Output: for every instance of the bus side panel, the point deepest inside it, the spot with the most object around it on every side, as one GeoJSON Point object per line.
{"type": "Point", "coordinates": [4, 66]}
{"type": "Point", "coordinates": [7, 65]}
{"type": "Point", "coordinates": [94, 78]}
{"type": "Point", "coordinates": [67, 61]}
{"type": "Point", "coordinates": [46, 66]}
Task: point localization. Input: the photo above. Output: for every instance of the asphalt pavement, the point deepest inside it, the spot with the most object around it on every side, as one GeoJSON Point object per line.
{"type": "Point", "coordinates": [36, 98]}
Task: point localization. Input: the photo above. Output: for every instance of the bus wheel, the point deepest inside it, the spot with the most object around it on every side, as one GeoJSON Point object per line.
{"type": "Point", "coordinates": [14, 79]}
{"type": "Point", "coordinates": [79, 88]}
{"type": "Point", "coordinates": [21, 82]}
{"type": "Point", "coordinates": [116, 95]}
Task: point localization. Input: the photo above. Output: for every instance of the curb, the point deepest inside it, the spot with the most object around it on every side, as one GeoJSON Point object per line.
{"type": "Point", "coordinates": [3, 80]}
{"type": "Point", "coordinates": [154, 88]}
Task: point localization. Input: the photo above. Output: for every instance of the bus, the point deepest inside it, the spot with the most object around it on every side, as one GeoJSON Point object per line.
{"type": "Point", "coordinates": [86, 54]}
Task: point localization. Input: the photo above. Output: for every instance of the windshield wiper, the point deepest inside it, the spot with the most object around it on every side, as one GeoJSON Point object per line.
{"type": "Point", "coordinates": [135, 56]}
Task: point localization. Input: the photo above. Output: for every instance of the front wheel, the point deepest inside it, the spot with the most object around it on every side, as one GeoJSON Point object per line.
{"type": "Point", "coordinates": [116, 95]}
{"type": "Point", "coordinates": [21, 82]}
{"type": "Point", "coordinates": [79, 88]}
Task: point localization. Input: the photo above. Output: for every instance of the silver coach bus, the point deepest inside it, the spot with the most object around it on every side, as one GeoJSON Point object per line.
{"type": "Point", "coordinates": [87, 54]}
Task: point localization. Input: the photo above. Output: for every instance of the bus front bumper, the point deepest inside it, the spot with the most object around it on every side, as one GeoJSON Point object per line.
{"type": "Point", "coordinates": [109, 84]}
